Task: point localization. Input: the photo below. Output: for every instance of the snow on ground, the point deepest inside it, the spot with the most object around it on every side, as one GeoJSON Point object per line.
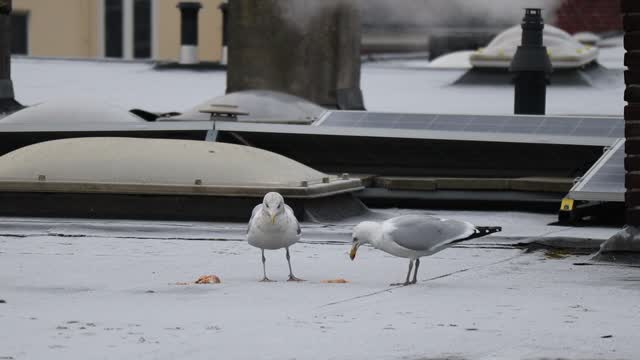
{"type": "Point", "coordinates": [129, 85]}
{"type": "Point", "coordinates": [137, 85]}
{"type": "Point", "coordinates": [517, 226]}
{"type": "Point", "coordinates": [429, 91]}
{"type": "Point", "coordinates": [95, 298]}
{"type": "Point", "coordinates": [611, 57]}
{"type": "Point", "coordinates": [78, 289]}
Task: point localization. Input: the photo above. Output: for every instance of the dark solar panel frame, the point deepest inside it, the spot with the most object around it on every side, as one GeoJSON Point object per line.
{"type": "Point", "coordinates": [605, 180]}
{"type": "Point", "coordinates": [576, 126]}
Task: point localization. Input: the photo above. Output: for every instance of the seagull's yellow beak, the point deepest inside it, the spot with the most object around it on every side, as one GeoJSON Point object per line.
{"type": "Point", "coordinates": [273, 218]}
{"type": "Point", "coordinates": [354, 250]}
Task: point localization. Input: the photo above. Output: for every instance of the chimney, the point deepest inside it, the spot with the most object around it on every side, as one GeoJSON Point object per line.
{"type": "Point", "coordinates": [7, 99]}
{"type": "Point", "coordinates": [532, 66]}
{"type": "Point", "coordinates": [307, 48]}
{"type": "Point", "coordinates": [189, 32]}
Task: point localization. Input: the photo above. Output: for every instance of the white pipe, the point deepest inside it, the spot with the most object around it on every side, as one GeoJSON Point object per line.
{"type": "Point", "coordinates": [188, 54]}
{"type": "Point", "coordinates": [225, 55]}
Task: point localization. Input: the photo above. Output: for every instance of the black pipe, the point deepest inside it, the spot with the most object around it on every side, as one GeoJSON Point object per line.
{"type": "Point", "coordinates": [224, 8]}
{"type": "Point", "coordinates": [189, 31]}
{"type": "Point", "coordinates": [532, 66]}
{"type": "Point", "coordinates": [7, 99]}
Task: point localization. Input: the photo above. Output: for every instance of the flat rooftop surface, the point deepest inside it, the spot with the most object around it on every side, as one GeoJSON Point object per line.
{"type": "Point", "coordinates": [385, 88]}
{"type": "Point", "coordinates": [77, 289]}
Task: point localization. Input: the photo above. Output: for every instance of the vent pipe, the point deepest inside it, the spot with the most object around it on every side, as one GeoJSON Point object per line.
{"type": "Point", "coordinates": [189, 32]}
{"type": "Point", "coordinates": [224, 8]}
{"type": "Point", "coordinates": [532, 66]}
{"type": "Point", "coordinates": [7, 98]}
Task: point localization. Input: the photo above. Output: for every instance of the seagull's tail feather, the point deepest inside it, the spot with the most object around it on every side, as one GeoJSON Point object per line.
{"type": "Point", "coordinates": [485, 230]}
{"type": "Point", "coordinates": [480, 232]}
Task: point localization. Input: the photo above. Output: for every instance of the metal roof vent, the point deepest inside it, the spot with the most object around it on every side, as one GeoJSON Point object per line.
{"type": "Point", "coordinates": [259, 106]}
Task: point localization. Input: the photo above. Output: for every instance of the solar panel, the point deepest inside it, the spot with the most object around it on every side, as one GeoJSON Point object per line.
{"type": "Point", "coordinates": [402, 133]}
{"type": "Point", "coordinates": [518, 124]}
{"type": "Point", "coordinates": [605, 180]}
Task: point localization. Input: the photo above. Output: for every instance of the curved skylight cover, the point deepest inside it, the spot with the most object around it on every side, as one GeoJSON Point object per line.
{"type": "Point", "coordinates": [159, 166]}
{"type": "Point", "coordinates": [77, 110]}
{"type": "Point", "coordinates": [564, 50]}
{"type": "Point", "coordinates": [260, 106]}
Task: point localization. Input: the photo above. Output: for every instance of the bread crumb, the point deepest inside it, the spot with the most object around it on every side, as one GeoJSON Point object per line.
{"type": "Point", "coordinates": [208, 279]}
{"type": "Point", "coordinates": [335, 281]}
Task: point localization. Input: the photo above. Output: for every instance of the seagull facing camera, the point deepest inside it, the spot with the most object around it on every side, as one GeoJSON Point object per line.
{"type": "Point", "coordinates": [414, 236]}
{"type": "Point", "coordinates": [273, 206]}
{"type": "Point", "coordinates": [273, 226]}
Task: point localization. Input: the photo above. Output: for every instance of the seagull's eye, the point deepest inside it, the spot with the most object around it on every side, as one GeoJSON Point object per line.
{"type": "Point", "coordinates": [279, 206]}
{"type": "Point", "coordinates": [355, 239]}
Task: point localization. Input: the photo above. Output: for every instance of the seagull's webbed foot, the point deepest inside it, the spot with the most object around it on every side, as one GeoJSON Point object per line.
{"type": "Point", "coordinates": [402, 284]}
{"type": "Point", "coordinates": [293, 278]}
{"type": "Point", "coordinates": [266, 280]}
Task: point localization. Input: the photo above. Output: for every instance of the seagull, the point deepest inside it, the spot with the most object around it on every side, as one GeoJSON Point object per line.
{"type": "Point", "coordinates": [414, 236]}
{"type": "Point", "coordinates": [273, 226]}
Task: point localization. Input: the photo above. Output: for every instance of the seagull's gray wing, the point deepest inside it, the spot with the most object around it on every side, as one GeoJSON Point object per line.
{"type": "Point", "coordinates": [256, 209]}
{"type": "Point", "coordinates": [424, 233]}
{"type": "Point", "coordinates": [293, 215]}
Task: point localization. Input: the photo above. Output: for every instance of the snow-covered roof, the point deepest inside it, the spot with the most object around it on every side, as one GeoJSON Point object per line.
{"type": "Point", "coordinates": [454, 60]}
{"type": "Point", "coordinates": [484, 299]}
{"type": "Point", "coordinates": [124, 289]}
{"type": "Point", "coordinates": [387, 87]}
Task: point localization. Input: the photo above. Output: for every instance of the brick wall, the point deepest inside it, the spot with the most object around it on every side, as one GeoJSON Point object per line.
{"type": "Point", "coordinates": [589, 15]}
{"type": "Point", "coordinates": [631, 11]}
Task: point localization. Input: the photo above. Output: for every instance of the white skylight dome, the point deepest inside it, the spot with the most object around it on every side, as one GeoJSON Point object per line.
{"type": "Point", "coordinates": [160, 166]}
{"type": "Point", "coordinates": [259, 106]}
{"type": "Point", "coordinates": [454, 60]}
{"type": "Point", "coordinates": [587, 38]}
{"type": "Point", "coordinates": [564, 50]}
{"type": "Point", "coordinates": [76, 110]}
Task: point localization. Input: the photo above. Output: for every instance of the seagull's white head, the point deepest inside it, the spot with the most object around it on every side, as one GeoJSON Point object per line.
{"type": "Point", "coordinates": [363, 233]}
{"type": "Point", "coordinates": [273, 205]}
